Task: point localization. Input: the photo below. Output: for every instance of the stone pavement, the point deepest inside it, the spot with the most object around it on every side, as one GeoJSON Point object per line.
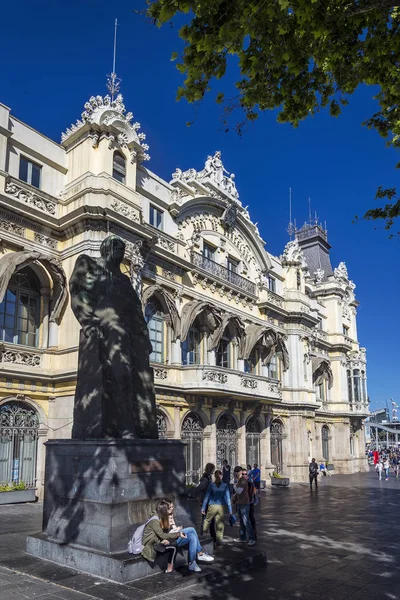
{"type": "Point", "coordinates": [341, 541]}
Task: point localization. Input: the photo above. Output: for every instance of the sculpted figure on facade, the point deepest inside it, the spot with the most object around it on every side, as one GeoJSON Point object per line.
{"type": "Point", "coordinates": [115, 392]}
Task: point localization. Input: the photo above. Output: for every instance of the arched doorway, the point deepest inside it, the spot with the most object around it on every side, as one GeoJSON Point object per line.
{"type": "Point", "coordinates": [226, 440]}
{"type": "Point", "coordinates": [19, 429]}
{"type": "Point", "coordinates": [162, 425]}
{"type": "Point", "coordinates": [276, 434]}
{"type": "Point", "coordinates": [253, 434]}
{"type": "Point", "coordinates": [192, 432]}
{"type": "Point", "coordinates": [325, 442]}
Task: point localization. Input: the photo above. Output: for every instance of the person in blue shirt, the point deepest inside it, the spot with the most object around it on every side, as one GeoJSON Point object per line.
{"type": "Point", "coordinates": [256, 476]}
{"type": "Point", "coordinates": [216, 498]}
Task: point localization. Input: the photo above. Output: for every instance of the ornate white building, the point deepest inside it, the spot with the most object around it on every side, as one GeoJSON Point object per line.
{"type": "Point", "coordinates": [256, 357]}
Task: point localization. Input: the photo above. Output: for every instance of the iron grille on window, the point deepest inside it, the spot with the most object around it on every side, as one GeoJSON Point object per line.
{"type": "Point", "coordinates": [223, 273]}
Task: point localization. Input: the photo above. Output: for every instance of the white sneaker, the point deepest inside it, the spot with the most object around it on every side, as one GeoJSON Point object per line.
{"type": "Point", "coordinates": [193, 566]}
{"type": "Point", "coordinates": [205, 557]}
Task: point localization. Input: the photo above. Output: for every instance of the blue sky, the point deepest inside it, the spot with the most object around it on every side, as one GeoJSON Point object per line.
{"type": "Point", "coordinates": [54, 56]}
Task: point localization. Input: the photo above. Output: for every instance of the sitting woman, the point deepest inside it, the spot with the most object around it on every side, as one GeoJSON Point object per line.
{"type": "Point", "coordinates": [157, 537]}
{"type": "Point", "coordinates": [188, 537]}
{"type": "Point", "coordinates": [216, 498]}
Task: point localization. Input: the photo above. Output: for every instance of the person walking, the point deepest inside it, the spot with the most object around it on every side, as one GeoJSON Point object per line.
{"type": "Point", "coordinates": [201, 492]}
{"type": "Point", "coordinates": [226, 472]}
{"type": "Point", "coordinates": [379, 468]}
{"type": "Point", "coordinates": [313, 473]}
{"type": "Point", "coordinates": [256, 476]}
{"type": "Point", "coordinates": [386, 466]}
{"type": "Point", "coordinates": [253, 497]}
{"type": "Point", "coordinates": [243, 506]}
{"type": "Point", "coordinates": [395, 465]}
{"type": "Point", "coordinates": [216, 498]}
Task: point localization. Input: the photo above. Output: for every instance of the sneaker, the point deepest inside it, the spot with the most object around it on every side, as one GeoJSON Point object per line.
{"type": "Point", "coordinates": [205, 557]}
{"type": "Point", "coordinates": [251, 542]}
{"type": "Point", "coordinates": [239, 541]}
{"type": "Point", "coordinates": [193, 566]}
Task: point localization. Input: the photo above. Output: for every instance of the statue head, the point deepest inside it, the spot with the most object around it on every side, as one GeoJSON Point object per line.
{"type": "Point", "coordinates": [113, 249]}
{"type": "Point", "coordinates": [217, 154]}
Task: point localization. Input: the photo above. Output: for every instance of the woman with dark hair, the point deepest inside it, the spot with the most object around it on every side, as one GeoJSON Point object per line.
{"type": "Point", "coordinates": [157, 536]}
{"type": "Point", "coordinates": [216, 498]}
{"type": "Point", "coordinates": [201, 491]}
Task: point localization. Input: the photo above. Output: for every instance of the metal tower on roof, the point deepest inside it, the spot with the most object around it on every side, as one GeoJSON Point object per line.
{"type": "Point", "coordinates": [114, 82]}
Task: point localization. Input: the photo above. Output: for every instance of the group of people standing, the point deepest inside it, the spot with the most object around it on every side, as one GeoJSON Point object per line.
{"type": "Point", "coordinates": [217, 495]}
{"type": "Point", "coordinates": [384, 461]}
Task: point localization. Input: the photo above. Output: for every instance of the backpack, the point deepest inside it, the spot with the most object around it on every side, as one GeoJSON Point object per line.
{"type": "Point", "coordinates": [135, 544]}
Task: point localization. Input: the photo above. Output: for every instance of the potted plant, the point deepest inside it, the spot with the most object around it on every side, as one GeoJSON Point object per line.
{"type": "Point", "coordinates": [279, 480]}
{"type": "Point", "coordinates": [16, 492]}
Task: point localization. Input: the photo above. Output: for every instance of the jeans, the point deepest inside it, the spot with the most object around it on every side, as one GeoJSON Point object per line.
{"type": "Point", "coordinates": [244, 521]}
{"type": "Point", "coordinates": [192, 540]}
{"type": "Point", "coordinates": [387, 473]}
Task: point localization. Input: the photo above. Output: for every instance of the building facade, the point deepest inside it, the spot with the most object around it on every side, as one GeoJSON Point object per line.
{"type": "Point", "coordinates": [255, 357]}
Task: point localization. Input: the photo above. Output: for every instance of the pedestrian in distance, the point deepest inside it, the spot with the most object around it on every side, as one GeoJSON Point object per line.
{"type": "Point", "coordinates": [253, 497]}
{"type": "Point", "coordinates": [241, 497]}
{"type": "Point", "coordinates": [201, 492]}
{"type": "Point", "coordinates": [386, 466]}
{"type": "Point", "coordinates": [379, 468]}
{"type": "Point", "coordinates": [257, 476]}
{"type": "Point", "coordinates": [226, 472]}
{"type": "Point", "coordinates": [216, 498]}
{"type": "Point", "coordinates": [313, 472]}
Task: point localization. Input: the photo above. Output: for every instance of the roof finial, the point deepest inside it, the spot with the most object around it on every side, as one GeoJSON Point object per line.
{"type": "Point", "coordinates": [114, 82]}
{"type": "Point", "coordinates": [290, 228]}
{"type": "Point", "coordinates": [309, 210]}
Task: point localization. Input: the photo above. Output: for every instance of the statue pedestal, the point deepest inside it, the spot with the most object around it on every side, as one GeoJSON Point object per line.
{"type": "Point", "coordinates": [97, 492]}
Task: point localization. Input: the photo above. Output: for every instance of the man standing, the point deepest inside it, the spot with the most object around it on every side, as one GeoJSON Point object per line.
{"type": "Point", "coordinates": [313, 472]}
{"type": "Point", "coordinates": [256, 476]}
{"type": "Point", "coordinates": [226, 472]}
{"type": "Point", "coordinates": [243, 506]}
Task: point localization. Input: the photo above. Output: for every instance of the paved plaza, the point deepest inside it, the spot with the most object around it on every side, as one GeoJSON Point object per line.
{"type": "Point", "coordinates": [341, 541]}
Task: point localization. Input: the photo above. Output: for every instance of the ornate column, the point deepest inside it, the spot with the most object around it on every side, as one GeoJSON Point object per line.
{"type": "Point", "coordinates": [45, 304]}
{"type": "Point", "coordinates": [134, 251]}
{"type": "Point", "coordinates": [176, 352]}
{"type": "Point", "coordinates": [241, 434]}
{"type": "Point", "coordinates": [211, 358]}
{"type": "Point", "coordinates": [210, 439]}
{"type": "Point", "coordinates": [264, 371]}
{"type": "Point", "coordinates": [177, 422]}
{"type": "Point", "coordinates": [240, 365]}
{"type": "Point", "coordinates": [265, 448]}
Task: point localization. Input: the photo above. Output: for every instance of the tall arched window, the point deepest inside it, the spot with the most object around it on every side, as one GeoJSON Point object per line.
{"type": "Point", "coordinates": [192, 432]}
{"type": "Point", "coordinates": [119, 167]}
{"type": "Point", "coordinates": [276, 437]}
{"type": "Point", "coordinates": [273, 370]}
{"type": "Point", "coordinates": [325, 442]}
{"type": "Point", "coordinates": [191, 348]}
{"type": "Point", "coordinates": [20, 309]}
{"type": "Point", "coordinates": [155, 323]}
{"type": "Point", "coordinates": [226, 440]}
{"type": "Point", "coordinates": [223, 353]}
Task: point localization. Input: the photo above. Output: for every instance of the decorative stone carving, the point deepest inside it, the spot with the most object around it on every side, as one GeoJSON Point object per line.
{"type": "Point", "coordinates": [17, 357]}
{"type": "Point", "coordinates": [274, 299]}
{"type": "Point", "coordinates": [169, 274]}
{"type": "Point", "coordinates": [215, 376]}
{"type": "Point", "coordinates": [30, 198]}
{"type": "Point", "coordinates": [341, 273]}
{"type": "Point", "coordinates": [134, 252]}
{"type": "Point", "coordinates": [319, 275]}
{"type": "Point", "coordinates": [229, 216]}
{"type": "Point", "coordinates": [177, 195]}
{"type": "Point", "coordinates": [160, 373]}
{"type": "Point", "coordinates": [45, 241]}
{"type": "Point", "coordinates": [103, 111]}
{"type": "Point", "coordinates": [127, 211]}
{"type": "Point", "coordinates": [12, 227]}
{"type": "Point", "coordinates": [293, 255]}
{"type": "Point", "coordinates": [248, 382]}
{"type": "Point", "coordinates": [166, 243]}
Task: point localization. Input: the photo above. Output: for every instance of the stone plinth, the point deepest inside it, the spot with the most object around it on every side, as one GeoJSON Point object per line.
{"type": "Point", "coordinates": [98, 492]}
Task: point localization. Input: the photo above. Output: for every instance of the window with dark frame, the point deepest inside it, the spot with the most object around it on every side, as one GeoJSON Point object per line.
{"type": "Point", "coordinates": [30, 172]}
{"type": "Point", "coordinates": [222, 354]}
{"type": "Point", "coordinates": [156, 217]}
{"type": "Point", "coordinates": [208, 251]}
{"type": "Point", "coordinates": [191, 348]}
{"type": "Point", "coordinates": [119, 167]}
{"type": "Point", "coordinates": [271, 284]}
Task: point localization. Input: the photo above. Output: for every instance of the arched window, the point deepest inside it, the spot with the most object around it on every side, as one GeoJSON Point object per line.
{"type": "Point", "coordinates": [192, 432]}
{"type": "Point", "coordinates": [357, 385]}
{"type": "Point", "coordinates": [161, 426]}
{"type": "Point", "coordinates": [191, 347]}
{"type": "Point", "coordinates": [223, 353]}
{"type": "Point", "coordinates": [253, 433]}
{"type": "Point", "coordinates": [119, 167]}
{"type": "Point", "coordinates": [350, 385]}
{"type": "Point", "coordinates": [276, 437]}
{"type": "Point", "coordinates": [155, 323]}
{"type": "Point", "coordinates": [20, 309]}
{"type": "Point", "coordinates": [226, 440]}
{"type": "Point", "coordinates": [325, 442]}
{"type": "Point", "coordinates": [19, 430]}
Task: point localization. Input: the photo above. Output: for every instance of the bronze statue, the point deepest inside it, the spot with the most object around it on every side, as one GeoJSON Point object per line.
{"type": "Point", "coordinates": [115, 391]}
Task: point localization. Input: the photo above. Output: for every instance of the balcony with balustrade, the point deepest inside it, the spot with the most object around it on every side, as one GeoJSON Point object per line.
{"type": "Point", "coordinates": [223, 275]}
